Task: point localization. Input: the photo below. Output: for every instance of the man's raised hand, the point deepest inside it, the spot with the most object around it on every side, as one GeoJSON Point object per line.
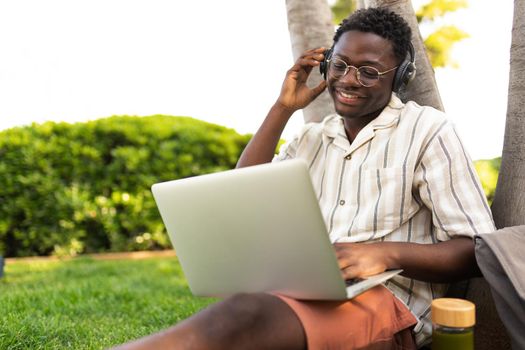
{"type": "Point", "coordinates": [295, 94]}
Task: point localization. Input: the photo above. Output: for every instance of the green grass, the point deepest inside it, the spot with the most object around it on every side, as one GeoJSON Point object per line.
{"type": "Point", "coordinates": [90, 304]}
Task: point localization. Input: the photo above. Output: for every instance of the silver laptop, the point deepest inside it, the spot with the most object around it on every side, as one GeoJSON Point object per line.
{"type": "Point", "coordinates": [255, 229]}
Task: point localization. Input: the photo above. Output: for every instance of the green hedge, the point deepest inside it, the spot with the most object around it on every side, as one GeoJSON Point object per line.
{"type": "Point", "coordinates": [85, 187]}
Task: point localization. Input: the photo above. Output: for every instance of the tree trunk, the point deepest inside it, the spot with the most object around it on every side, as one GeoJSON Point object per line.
{"type": "Point", "coordinates": [310, 25]}
{"type": "Point", "coordinates": [423, 89]}
{"type": "Point", "coordinates": [508, 207]}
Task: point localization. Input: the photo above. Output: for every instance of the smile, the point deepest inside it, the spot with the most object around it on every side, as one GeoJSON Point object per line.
{"type": "Point", "coordinates": [347, 95]}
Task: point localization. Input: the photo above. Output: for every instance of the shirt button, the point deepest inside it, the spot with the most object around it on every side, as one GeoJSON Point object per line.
{"type": "Point", "coordinates": [342, 202]}
{"type": "Point", "coordinates": [348, 157]}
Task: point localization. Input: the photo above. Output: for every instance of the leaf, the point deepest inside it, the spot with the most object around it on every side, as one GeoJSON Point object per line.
{"type": "Point", "coordinates": [439, 45]}
{"type": "Point", "coordinates": [439, 8]}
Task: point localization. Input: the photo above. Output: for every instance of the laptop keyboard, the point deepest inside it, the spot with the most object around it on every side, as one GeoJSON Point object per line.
{"type": "Point", "coordinates": [353, 281]}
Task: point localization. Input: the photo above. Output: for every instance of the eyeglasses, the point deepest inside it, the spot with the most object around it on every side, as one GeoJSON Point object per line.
{"type": "Point", "coordinates": [367, 76]}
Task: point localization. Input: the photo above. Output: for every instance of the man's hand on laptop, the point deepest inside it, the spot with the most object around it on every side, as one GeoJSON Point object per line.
{"type": "Point", "coordinates": [361, 260]}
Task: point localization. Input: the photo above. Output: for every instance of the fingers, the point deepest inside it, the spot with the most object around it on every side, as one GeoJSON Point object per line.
{"type": "Point", "coordinates": [343, 255]}
{"type": "Point", "coordinates": [314, 52]}
{"type": "Point", "coordinates": [314, 56]}
{"type": "Point", "coordinates": [354, 270]}
{"type": "Point", "coordinates": [317, 51]}
{"type": "Point", "coordinates": [359, 260]}
{"type": "Point", "coordinates": [295, 93]}
{"type": "Point", "coordinates": [309, 59]}
{"type": "Point", "coordinates": [350, 272]}
{"type": "Point", "coordinates": [348, 266]}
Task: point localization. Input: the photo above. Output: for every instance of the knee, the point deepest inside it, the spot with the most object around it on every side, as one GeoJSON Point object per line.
{"type": "Point", "coordinates": [244, 319]}
{"type": "Point", "coordinates": [245, 310]}
{"type": "Point", "coordinates": [238, 316]}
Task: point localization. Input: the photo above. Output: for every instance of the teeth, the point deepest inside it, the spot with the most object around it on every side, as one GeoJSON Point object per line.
{"type": "Point", "coordinates": [345, 95]}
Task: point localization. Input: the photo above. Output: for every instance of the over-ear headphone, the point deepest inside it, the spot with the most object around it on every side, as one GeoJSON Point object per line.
{"type": "Point", "coordinates": [323, 66]}
{"type": "Point", "coordinates": [405, 73]}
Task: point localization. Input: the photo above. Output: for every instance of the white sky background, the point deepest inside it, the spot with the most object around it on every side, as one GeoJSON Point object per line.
{"type": "Point", "coordinates": [219, 61]}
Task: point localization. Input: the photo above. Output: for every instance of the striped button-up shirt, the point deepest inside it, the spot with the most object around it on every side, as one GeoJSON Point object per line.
{"type": "Point", "coordinates": [405, 178]}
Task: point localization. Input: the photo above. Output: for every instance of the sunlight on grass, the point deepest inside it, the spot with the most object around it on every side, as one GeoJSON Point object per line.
{"type": "Point", "coordinates": [27, 271]}
{"type": "Point", "coordinates": [89, 304]}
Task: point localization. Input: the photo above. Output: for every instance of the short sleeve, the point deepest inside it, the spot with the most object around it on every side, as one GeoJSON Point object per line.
{"type": "Point", "coordinates": [449, 186]}
{"type": "Point", "coordinates": [289, 149]}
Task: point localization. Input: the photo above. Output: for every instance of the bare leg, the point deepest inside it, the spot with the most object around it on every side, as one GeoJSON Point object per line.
{"type": "Point", "coordinates": [243, 321]}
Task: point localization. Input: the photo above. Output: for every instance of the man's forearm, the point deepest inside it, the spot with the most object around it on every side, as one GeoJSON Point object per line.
{"type": "Point", "coordinates": [443, 262]}
{"type": "Point", "coordinates": [261, 147]}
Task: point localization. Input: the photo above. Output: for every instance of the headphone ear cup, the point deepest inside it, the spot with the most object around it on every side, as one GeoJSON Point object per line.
{"type": "Point", "coordinates": [406, 71]}
{"type": "Point", "coordinates": [400, 76]}
{"type": "Point", "coordinates": [404, 75]}
{"type": "Point", "coordinates": [410, 73]}
{"type": "Point", "coordinates": [323, 66]}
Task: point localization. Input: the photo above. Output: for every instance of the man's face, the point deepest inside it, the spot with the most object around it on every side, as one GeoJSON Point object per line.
{"type": "Point", "coordinates": [351, 99]}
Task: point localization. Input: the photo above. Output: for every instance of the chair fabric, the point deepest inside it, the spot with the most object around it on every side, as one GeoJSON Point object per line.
{"type": "Point", "coordinates": [502, 261]}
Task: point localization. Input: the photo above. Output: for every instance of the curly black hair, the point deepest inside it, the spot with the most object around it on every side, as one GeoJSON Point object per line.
{"type": "Point", "coordinates": [382, 22]}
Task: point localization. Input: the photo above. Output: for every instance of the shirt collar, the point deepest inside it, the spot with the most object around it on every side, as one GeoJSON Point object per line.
{"type": "Point", "coordinates": [333, 125]}
{"type": "Point", "coordinates": [334, 129]}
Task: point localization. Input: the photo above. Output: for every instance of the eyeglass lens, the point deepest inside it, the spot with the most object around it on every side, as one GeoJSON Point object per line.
{"type": "Point", "coordinates": [366, 75]}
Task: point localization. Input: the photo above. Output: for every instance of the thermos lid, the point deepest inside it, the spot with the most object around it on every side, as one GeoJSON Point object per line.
{"type": "Point", "coordinates": [451, 312]}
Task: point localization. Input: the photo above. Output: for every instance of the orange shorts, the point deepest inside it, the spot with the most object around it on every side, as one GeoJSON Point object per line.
{"type": "Point", "coordinates": [375, 320]}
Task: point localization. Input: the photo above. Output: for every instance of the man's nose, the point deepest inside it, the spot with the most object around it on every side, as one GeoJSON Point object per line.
{"type": "Point", "coordinates": [351, 77]}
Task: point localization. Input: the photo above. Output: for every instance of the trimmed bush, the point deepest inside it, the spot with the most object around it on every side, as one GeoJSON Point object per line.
{"type": "Point", "coordinates": [85, 187]}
